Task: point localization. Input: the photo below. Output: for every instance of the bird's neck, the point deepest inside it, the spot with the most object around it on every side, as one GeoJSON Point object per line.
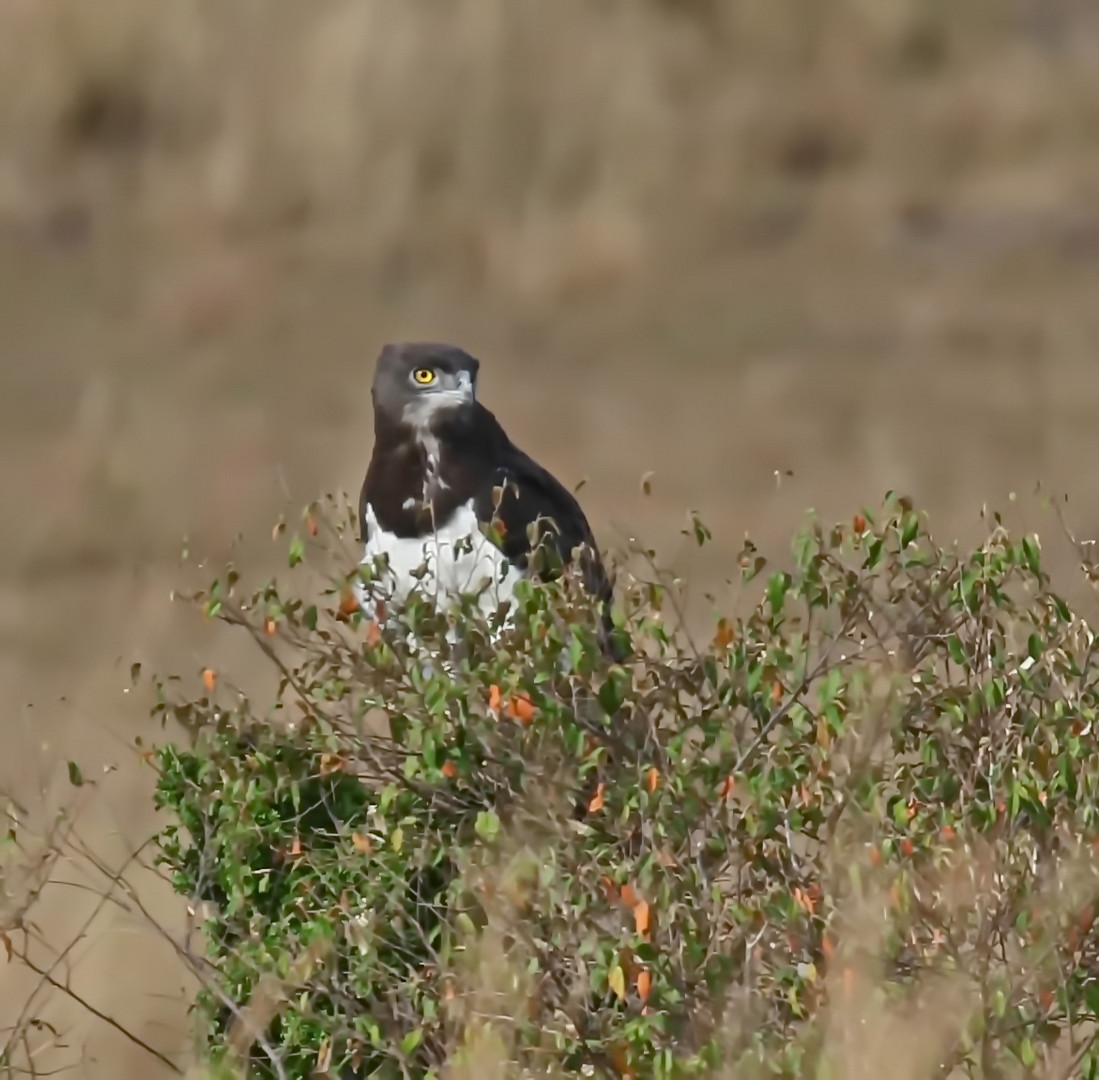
{"type": "Point", "coordinates": [415, 467]}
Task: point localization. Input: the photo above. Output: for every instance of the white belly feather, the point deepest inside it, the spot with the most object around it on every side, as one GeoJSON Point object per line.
{"type": "Point", "coordinates": [456, 559]}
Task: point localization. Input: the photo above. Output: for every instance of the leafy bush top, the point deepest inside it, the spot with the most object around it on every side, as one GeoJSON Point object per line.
{"type": "Point", "coordinates": [860, 819]}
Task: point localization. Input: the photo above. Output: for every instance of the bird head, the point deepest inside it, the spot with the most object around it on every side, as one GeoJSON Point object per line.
{"type": "Point", "coordinates": [415, 381]}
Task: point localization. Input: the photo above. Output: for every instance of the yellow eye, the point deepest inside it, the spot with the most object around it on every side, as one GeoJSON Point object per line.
{"type": "Point", "coordinates": [424, 376]}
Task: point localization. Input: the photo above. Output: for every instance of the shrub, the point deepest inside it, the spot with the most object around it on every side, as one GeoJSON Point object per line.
{"type": "Point", "coordinates": [852, 834]}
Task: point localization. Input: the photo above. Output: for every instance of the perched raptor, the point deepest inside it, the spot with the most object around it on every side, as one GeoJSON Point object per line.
{"type": "Point", "coordinates": [443, 470]}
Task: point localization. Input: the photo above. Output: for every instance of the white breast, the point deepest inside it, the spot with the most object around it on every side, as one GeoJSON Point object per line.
{"type": "Point", "coordinates": [456, 559]}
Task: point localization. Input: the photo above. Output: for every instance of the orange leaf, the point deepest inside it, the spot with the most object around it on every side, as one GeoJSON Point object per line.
{"type": "Point", "coordinates": [859, 523]}
{"type": "Point", "coordinates": [948, 833]}
{"type": "Point", "coordinates": [209, 679]}
{"type": "Point", "coordinates": [295, 847]}
{"type": "Point", "coordinates": [494, 698]}
{"type": "Point", "coordinates": [875, 856]}
{"type": "Point", "coordinates": [907, 846]}
{"type": "Point", "coordinates": [331, 763]}
{"type": "Point", "coordinates": [362, 843]}
{"type": "Point", "coordinates": [450, 769]}
{"type": "Point", "coordinates": [776, 692]}
{"type": "Point", "coordinates": [621, 1062]}
{"type": "Point", "coordinates": [653, 779]}
{"type": "Point", "coordinates": [373, 633]}
{"type": "Point", "coordinates": [644, 984]}
{"type": "Point", "coordinates": [629, 895]}
{"type": "Point", "coordinates": [727, 786]}
{"type": "Point", "coordinates": [804, 900]}
{"type": "Point", "coordinates": [311, 524]}
{"type": "Point", "coordinates": [597, 801]}
{"type": "Point", "coordinates": [609, 889]}
{"type": "Point", "coordinates": [641, 918]}
{"type": "Point", "coordinates": [724, 636]}
{"type": "Point", "coordinates": [270, 627]}
{"type": "Point", "coordinates": [349, 602]}
{"type": "Point", "coordinates": [520, 708]}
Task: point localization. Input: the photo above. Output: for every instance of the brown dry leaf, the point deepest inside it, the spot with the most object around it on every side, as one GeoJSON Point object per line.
{"type": "Point", "coordinates": [653, 779]}
{"type": "Point", "coordinates": [209, 680]}
{"type": "Point", "coordinates": [295, 847]}
{"type": "Point", "coordinates": [362, 843]}
{"type": "Point", "coordinates": [597, 801]}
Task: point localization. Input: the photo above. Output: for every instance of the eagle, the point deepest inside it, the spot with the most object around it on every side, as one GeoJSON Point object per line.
{"type": "Point", "coordinates": [453, 505]}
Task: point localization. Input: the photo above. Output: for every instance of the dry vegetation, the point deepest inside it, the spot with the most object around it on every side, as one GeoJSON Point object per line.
{"type": "Point", "coordinates": [858, 239]}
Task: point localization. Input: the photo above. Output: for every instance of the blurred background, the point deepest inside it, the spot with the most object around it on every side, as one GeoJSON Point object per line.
{"type": "Point", "coordinates": [724, 241]}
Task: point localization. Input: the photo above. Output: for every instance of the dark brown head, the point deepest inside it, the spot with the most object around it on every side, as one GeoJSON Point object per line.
{"type": "Point", "coordinates": [415, 381]}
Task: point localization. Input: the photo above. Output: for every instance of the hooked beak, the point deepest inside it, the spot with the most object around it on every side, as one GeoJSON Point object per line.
{"type": "Point", "coordinates": [465, 385]}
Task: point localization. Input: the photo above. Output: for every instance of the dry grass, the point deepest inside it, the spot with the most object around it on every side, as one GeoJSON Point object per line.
{"type": "Point", "coordinates": [856, 239]}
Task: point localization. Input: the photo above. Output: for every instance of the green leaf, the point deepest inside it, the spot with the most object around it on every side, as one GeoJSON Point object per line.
{"type": "Point", "coordinates": [297, 551]}
{"type": "Point", "coordinates": [698, 530]}
{"type": "Point", "coordinates": [487, 825]}
{"type": "Point", "coordinates": [909, 528]}
{"type": "Point", "coordinates": [1031, 552]}
{"type": "Point", "coordinates": [1027, 1054]}
{"type": "Point", "coordinates": [777, 585]}
{"type": "Point", "coordinates": [412, 1040]}
{"type": "Point", "coordinates": [76, 777]}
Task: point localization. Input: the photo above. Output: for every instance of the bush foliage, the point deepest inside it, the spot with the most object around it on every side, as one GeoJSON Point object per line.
{"type": "Point", "coordinates": [852, 834]}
